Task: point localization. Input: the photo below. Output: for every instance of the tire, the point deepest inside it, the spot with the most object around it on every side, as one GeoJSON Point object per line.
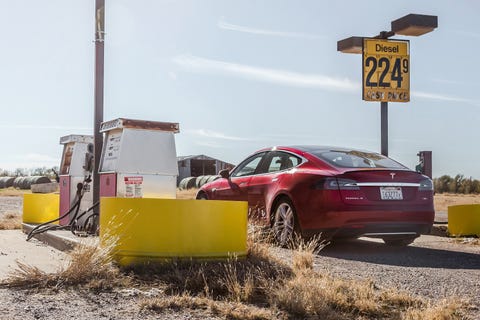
{"type": "Point", "coordinates": [399, 242]}
{"type": "Point", "coordinates": [285, 224]}
{"type": "Point", "coordinates": [201, 196]}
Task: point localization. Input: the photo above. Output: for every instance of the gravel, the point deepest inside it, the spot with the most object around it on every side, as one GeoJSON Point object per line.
{"type": "Point", "coordinates": [82, 304]}
{"type": "Point", "coordinates": [432, 267]}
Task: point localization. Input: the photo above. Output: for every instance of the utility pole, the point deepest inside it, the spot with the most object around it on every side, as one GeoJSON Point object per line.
{"type": "Point", "coordinates": [99, 81]}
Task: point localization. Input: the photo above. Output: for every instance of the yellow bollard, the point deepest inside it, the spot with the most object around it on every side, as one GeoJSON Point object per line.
{"type": "Point", "coordinates": [157, 229]}
{"type": "Point", "coordinates": [464, 220]}
{"type": "Point", "coordinates": [39, 208]}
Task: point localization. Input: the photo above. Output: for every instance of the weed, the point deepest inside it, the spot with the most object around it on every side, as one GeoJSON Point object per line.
{"type": "Point", "coordinates": [229, 310]}
{"type": "Point", "coordinates": [89, 265]}
{"type": "Point", "coordinates": [444, 310]}
{"type": "Point", "coordinates": [237, 279]}
{"type": "Point", "coordinates": [472, 241]}
{"type": "Point", "coordinates": [304, 253]}
{"type": "Point", "coordinates": [12, 192]}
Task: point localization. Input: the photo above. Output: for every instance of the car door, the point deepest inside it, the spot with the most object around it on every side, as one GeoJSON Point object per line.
{"type": "Point", "coordinates": [236, 187]}
{"type": "Point", "coordinates": [264, 184]}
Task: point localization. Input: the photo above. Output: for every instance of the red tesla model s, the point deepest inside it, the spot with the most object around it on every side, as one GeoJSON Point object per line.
{"type": "Point", "coordinates": [338, 192]}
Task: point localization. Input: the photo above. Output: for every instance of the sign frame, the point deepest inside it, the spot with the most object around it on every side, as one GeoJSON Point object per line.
{"type": "Point", "coordinates": [386, 70]}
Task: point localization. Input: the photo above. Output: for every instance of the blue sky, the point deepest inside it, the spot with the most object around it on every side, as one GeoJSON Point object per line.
{"type": "Point", "coordinates": [237, 76]}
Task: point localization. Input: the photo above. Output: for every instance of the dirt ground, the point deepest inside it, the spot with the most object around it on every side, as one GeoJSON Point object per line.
{"type": "Point", "coordinates": [442, 201]}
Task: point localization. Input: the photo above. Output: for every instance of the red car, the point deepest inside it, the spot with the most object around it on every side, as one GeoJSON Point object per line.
{"type": "Point", "coordinates": [337, 192]}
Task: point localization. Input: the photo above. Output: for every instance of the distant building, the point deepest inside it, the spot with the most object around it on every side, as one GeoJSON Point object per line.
{"type": "Point", "coordinates": [199, 165]}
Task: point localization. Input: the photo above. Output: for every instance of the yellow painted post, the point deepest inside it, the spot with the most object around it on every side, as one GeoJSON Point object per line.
{"type": "Point", "coordinates": [149, 229]}
{"type": "Point", "coordinates": [39, 207]}
{"type": "Point", "coordinates": [464, 220]}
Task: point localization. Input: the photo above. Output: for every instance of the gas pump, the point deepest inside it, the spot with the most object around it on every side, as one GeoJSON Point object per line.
{"type": "Point", "coordinates": [138, 159]}
{"type": "Point", "coordinates": [425, 163]}
{"type": "Point", "coordinates": [75, 175]}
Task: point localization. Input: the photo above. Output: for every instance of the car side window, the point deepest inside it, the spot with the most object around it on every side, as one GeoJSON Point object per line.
{"type": "Point", "coordinates": [248, 167]}
{"type": "Point", "coordinates": [275, 163]}
{"type": "Point", "coordinates": [279, 161]}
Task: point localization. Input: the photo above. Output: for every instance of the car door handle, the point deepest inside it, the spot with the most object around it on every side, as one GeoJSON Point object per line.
{"type": "Point", "coordinates": [274, 179]}
{"type": "Point", "coordinates": [242, 184]}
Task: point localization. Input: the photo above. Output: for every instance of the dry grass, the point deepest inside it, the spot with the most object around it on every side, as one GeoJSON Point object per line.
{"type": "Point", "coordinates": [11, 221]}
{"type": "Point", "coordinates": [309, 294]}
{"type": "Point", "coordinates": [467, 241]}
{"type": "Point", "coordinates": [261, 287]}
{"type": "Point", "coordinates": [12, 192]}
{"type": "Point", "coordinates": [443, 200]}
{"type": "Point", "coordinates": [88, 265]}
{"type": "Point", "coordinates": [238, 280]}
{"type": "Point", "coordinates": [304, 253]}
{"type": "Point", "coordinates": [443, 310]}
{"type": "Point", "coordinates": [229, 310]}
{"type": "Point", "coordinates": [186, 194]}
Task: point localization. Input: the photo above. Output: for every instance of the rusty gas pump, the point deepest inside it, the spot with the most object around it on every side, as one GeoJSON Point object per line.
{"type": "Point", "coordinates": [75, 172]}
{"type": "Point", "coordinates": [138, 159]}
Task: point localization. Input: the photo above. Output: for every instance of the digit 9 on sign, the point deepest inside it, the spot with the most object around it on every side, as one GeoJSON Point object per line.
{"type": "Point", "coordinates": [394, 74]}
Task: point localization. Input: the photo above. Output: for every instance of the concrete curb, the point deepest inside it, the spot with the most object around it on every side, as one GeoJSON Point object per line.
{"type": "Point", "coordinates": [60, 240]}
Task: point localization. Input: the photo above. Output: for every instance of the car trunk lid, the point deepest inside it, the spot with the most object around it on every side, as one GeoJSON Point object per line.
{"type": "Point", "coordinates": [380, 187]}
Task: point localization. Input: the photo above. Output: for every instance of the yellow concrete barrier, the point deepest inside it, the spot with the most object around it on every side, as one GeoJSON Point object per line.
{"type": "Point", "coordinates": [464, 220]}
{"type": "Point", "coordinates": [39, 208]}
{"type": "Point", "coordinates": [157, 229]}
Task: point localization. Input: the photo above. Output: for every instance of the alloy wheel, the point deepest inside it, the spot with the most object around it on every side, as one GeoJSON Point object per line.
{"type": "Point", "coordinates": [284, 223]}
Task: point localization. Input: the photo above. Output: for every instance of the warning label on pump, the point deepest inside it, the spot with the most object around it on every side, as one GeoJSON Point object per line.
{"type": "Point", "coordinates": [133, 187]}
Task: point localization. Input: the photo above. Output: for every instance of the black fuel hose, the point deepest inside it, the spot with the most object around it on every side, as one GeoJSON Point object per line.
{"type": "Point", "coordinates": [46, 225]}
{"type": "Point", "coordinates": [74, 222]}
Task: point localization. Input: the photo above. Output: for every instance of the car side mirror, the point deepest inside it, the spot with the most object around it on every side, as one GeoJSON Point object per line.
{"type": "Point", "coordinates": [224, 173]}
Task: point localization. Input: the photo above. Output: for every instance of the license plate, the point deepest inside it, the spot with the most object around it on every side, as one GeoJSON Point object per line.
{"type": "Point", "coordinates": [391, 193]}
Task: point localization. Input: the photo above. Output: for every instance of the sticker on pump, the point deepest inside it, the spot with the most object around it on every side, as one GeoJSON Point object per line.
{"type": "Point", "coordinates": [133, 187]}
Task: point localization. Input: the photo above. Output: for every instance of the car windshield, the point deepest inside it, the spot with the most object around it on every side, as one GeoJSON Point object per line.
{"type": "Point", "coordinates": [357, 159]}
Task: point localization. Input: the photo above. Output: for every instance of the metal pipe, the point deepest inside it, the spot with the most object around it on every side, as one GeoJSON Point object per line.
{"type": "Point", "coordinates": [99, 87]}
{"type": "Point", "coordinates": [384, 128]}
{"type": "Point", "coordinates": [384, 108]}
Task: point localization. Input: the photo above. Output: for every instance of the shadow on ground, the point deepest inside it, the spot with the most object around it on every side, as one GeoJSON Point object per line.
{"type": "Point", "coordinates": [410, 256]}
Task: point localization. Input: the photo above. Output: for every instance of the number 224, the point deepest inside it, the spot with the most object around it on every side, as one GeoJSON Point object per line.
{"type": "Point", "coordinates": [400, 66]}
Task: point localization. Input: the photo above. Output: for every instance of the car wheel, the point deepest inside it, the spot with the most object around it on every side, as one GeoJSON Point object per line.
{"type": "Point", "coordinates": [399, 242]}
{"type": "Point", "coordinates": [202, 196]}
{"type": "Point", "coordinates": [285, 225]}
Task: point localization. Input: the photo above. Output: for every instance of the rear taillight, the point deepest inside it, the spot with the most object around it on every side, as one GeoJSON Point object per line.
{"type": "Point", "coordinates": [337, 184]}
{"type": "Point", "coordinates": [425, 185]}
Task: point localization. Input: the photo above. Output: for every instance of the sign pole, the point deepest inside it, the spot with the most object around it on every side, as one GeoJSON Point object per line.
{"type": "Point", "coordinates": [384, 128]}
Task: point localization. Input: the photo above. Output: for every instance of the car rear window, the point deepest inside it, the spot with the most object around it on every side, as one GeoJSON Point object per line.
{"type": "Point", "coordinates": [357, 159]}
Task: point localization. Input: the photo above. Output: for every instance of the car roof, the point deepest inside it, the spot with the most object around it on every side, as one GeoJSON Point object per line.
{"type": "Point", "coordinates": [316, 148]}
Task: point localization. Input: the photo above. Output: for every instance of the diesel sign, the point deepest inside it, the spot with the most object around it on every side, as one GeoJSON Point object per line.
{"type": "Point", "coordinates": [386, 70]}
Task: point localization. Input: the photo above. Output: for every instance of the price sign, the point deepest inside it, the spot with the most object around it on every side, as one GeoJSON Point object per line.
{"type": "Point", "coordinates": [386, 70]}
